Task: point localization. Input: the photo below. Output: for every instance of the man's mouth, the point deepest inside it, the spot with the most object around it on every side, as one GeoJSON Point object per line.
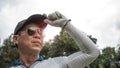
{"type": "Point", "coordinates": [37, 42]}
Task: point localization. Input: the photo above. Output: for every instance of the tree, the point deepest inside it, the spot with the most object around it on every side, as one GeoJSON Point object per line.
{"type": "Point", "coordinates": [8, 54]}
{"type": "Point", "coordinates": [62, 45]}
{"type": "Point", "coordinates": [110, 53]}
{"type": "Point", "coordinates": [107, 59]}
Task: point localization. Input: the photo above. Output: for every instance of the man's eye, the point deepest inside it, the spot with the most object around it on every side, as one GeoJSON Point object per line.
{"type": "Point", "coordinates": [31, 32]}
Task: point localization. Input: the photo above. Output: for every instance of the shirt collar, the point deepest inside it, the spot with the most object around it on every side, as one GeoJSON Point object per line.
{"type": "Point", "coordinates": [17, 62]}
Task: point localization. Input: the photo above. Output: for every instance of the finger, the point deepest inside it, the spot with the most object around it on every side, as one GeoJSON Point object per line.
{"type": "Point", "coordinates": [59, 14]}
{"type": "Point", "coordinates": [52, 16]}
{"type": "Point", "coordinates": [45, 15]}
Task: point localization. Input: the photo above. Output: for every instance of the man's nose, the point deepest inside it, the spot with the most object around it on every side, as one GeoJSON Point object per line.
{"type": "Point", "coordinates": [37, 35]}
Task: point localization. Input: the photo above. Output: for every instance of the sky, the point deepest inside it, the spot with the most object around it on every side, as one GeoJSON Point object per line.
{"type": "Point", "coordinates": [99, 18]}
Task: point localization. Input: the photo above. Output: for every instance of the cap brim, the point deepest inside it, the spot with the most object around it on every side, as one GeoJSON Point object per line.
{"type": "Point", "coordinates": [38, 19]}
{"type": "Point", "coordinates": [43, 25]}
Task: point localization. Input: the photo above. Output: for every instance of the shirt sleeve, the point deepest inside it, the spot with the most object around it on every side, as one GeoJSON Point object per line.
{"type": "Point", "coordinates": [88, 51]}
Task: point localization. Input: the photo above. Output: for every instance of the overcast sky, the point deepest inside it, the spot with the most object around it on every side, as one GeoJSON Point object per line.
{"type": "Point", "coordinates": [99, 18]}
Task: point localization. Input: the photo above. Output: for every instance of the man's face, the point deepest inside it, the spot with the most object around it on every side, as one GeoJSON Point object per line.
{"type": "Point", "coordinates": [30, 39]}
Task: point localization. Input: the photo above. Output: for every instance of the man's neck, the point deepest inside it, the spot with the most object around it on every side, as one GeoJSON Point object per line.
{"type": "Point", "coordinates": [28, 59]}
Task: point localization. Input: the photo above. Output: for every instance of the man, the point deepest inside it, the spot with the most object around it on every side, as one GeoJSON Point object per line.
{"type": "Point", "coordinates": [28, 37]}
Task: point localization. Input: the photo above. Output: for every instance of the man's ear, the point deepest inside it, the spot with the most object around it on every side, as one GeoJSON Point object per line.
{"type": "Point", "coordinates": [15, 39]}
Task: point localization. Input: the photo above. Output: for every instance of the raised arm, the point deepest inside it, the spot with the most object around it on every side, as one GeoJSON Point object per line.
{"type": "Point", "coordinates": [88, 51]}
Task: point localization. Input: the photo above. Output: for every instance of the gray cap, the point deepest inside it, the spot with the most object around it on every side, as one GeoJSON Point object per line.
{"type": "Point", "coordinates": [36, 18]}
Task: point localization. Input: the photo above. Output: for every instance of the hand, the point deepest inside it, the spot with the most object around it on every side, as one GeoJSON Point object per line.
{"type": "Point", "coordinates": [56, 19]}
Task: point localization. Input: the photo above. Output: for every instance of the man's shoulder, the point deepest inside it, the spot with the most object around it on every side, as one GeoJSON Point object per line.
{"type": "Point", "coordinates": [56, 59]}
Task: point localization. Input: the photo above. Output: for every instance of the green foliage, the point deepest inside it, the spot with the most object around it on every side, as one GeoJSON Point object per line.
{"type": "Point", "coordinates": [8, 54]}
{"type": "Point", "coordinates": [108, 59]}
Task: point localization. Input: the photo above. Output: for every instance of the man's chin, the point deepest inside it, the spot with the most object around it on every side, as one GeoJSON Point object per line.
{"type": "Point", "coordinates": [37, 49]}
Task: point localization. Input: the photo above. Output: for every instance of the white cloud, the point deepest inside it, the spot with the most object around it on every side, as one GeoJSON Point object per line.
{"type": "Point", "coordinates": [94, 17]}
